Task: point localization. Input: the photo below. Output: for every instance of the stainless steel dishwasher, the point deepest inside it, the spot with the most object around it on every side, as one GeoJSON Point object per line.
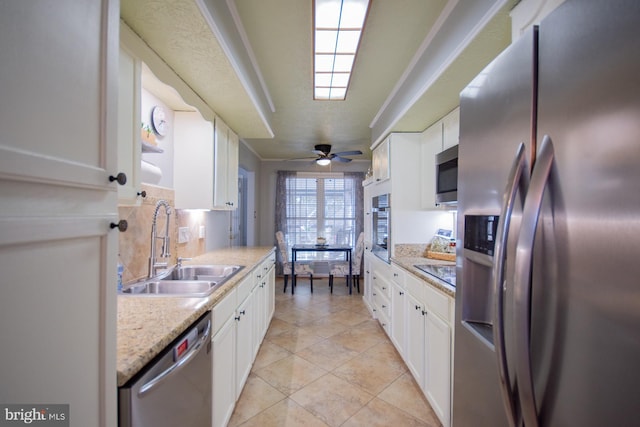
{"type": "Point", "coordinates": [175, 388]}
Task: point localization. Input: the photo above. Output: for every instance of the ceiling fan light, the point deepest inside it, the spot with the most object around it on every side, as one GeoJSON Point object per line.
{"type": "Point", "coordinates": [323, 161]}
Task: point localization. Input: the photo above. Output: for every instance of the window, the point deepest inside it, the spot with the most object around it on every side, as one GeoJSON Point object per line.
{"type": "Point", "coordinates": [321, 205]}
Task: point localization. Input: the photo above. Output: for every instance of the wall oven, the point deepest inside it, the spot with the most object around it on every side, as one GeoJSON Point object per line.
{"type": "Point", "coordinates": [381, 226]}
{"type": "Point", "coordinates": [447, 176]}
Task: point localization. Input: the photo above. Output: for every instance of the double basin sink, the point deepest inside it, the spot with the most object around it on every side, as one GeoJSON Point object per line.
{"type": "Point", "coordinates": [187, 280]}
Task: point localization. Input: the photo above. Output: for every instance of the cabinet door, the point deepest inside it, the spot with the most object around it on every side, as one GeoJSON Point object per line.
{"type": "Point", "coordinates": [431, 145]}
{"type": "Point", "coordinates": [129, 92]}
{"type": "Point", "coordinates": [244, 341]}
{"type": "Point", "coordinates": [380, 161]}
{"type": "Point", "coordinates": [271, 295]}
{"type": "Point", "coordinates": [260, 312]}
{"type": "Point", "coordinates": [58, 255]}
{"type": "Point", "coordinates": [224, 369]}
{"type": "Point", "coordinates": [232, 170]}
{"type": "Point", "coordinates": [451, 129]}
{"type": "Point", "coordinates": [438, 366]}
{"type": "Point", "coordinates": [398, 315]}
{"type": "Point", "coordinates": [220, 162]}
{"type": "Point", "coordinates": [415, 339]}
{"type": "Point", "coordinates": [368, 282]}
{"type": "Point", "coordinates": [192, 161]}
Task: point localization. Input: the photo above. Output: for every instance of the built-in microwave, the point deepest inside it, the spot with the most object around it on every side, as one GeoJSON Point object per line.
{"type": "Point", "coordinates": [447, 176]}
{"type": "Point", "coordinates": [380, 227]}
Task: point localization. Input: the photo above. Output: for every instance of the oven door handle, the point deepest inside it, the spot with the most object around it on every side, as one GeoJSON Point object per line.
{"type": "Point", "coordinates": [177, 366]}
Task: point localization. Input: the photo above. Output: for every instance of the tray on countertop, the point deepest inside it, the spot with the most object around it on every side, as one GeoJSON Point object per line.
{"type": "Point", "coordinates": [444, 256]}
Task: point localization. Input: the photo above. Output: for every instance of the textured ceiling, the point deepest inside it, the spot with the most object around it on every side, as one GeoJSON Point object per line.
{"type": "Point", "coordinates": [277, 39]}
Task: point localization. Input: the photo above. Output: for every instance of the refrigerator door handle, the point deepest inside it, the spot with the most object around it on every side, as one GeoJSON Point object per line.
{"type": "Point", "coordinates": [523, 283]}
{"type": "Point", "coordinates": [518, 181]}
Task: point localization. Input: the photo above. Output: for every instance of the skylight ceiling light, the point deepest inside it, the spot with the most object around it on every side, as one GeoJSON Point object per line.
{"type": "Point", "coordinates": [337, 30]}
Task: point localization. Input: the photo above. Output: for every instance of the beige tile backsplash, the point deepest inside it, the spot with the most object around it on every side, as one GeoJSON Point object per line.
{"type": "Point", "coordinates": [135, 243]}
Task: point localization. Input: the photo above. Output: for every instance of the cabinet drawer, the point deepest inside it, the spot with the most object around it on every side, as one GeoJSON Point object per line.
{"type": "Point", "coordinates": [267, 264]}
{"type": "Point", "coordinates": [382, 304]}
{"type": "Point", "coordinates": [223, 310]}
{"type": "Point", "coordinates": [384, 322]}
{"type": "Point", "coordinates": [258, 273]}
{"type": "Point", "coordinates": [398, 275]}
{"type": "Point", "coordinates": [381, 284]}
{"type": "Point", "coordinates": [244, 288]}
{"type": "Point", "coordinates": [437, 302]}
{"type": "Point", "coordinates": [415, 286]}
{"type": "Point", "coordinates": [271, 260]}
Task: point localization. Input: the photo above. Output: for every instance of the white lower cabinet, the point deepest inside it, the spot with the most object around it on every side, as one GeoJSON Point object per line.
{"type": "Point", "coordinates": [241, 320]}
{"type": "Point", "coordinates": [223, 350]}
{"type": "Point", "coordinates": [437, 375]}
{"type": "Point", "coordinates": [398, 313]}
{"type": "Point", "coordinates": [419, 325]}
{"type": "Point", "coordinates": [381, 294]}
{"type": "Point", "coordinates": [414, 356]}
{"type": "Point", "coordinates": [244, 341]}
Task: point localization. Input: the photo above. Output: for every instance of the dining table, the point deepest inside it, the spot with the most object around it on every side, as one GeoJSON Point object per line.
{"type": "Point", "coordinates": [346, 249]}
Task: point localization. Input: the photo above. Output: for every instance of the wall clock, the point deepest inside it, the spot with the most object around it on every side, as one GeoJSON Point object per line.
{"type": "Point", "coordinates": [159, 120]}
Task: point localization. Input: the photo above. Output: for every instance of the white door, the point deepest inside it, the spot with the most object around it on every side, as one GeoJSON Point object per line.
{"type": "Point", "coordinates": [58, 255]}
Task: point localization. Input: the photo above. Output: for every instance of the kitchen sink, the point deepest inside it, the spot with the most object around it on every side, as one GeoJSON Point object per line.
{"type": "Point", "coordinates": [188, 280]}
{"type": "Point", "coordinates": [203, 272]}
{"type": "Point", "coordinates": [171, 287]}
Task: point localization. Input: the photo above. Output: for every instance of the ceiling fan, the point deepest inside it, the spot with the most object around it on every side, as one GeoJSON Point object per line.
{"type": "Point", "coordinates": [325, 156]}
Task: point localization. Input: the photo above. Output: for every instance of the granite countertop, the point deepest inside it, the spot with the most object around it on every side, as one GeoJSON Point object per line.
{"type": "Point", "coordinates": [408, 262]}
{"type": "Point", "coordinates": [147, 324]}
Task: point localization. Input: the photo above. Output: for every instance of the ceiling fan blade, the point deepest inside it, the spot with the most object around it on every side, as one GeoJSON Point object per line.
{"type": "Point", "coordinates": [349, 153]}
{"type": "Point", "coordinates": [301, 158]}
{"type": "Point", "coordinates": [340, 159]}
{"type": "Point", "coordinates": [319, 153]}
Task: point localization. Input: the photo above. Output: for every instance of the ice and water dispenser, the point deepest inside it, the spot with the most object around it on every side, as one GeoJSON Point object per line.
{"type": "Point", "coordinates": [477, 296]}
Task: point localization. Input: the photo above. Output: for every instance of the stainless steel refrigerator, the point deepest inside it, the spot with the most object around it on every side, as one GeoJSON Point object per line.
{"type": "Point", "coordinates": [548, 265]}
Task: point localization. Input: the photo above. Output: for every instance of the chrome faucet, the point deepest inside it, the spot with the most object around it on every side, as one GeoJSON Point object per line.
{"type": "Point", "coordinates": [153, 263]}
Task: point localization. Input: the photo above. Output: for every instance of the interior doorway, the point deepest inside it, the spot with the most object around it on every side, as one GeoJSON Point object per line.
{"type": "Point", "coordinates": [238, 215]}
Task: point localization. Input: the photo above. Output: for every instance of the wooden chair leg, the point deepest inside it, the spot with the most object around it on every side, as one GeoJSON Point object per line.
{"type": "Point", "coordinates": [311, 281]}
{"type": "Point", "coordinates": [358, 282]}
{"type": "Point", "coordinates": [331, 282]}
{"type": "Point", "coordinates": [286, 278]}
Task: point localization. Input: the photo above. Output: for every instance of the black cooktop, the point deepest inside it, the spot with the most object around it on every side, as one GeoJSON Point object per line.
{"type": "Point", "coordinates": [446, 273]}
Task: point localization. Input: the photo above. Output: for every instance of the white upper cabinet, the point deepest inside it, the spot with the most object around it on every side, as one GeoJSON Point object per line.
{"type": "Point", "coordinates": [431, 145]}
{"type": "Point", "coordinates": [193, 165]}
{"type": "Point", "coordinates": [225, 194]}
{"type": "Point", "coordinates": [451, 129]}
{"type": "Point", "coordinates": [129, 87]}
{"type": "Point", "coordinates": [380, 161]}
{"type": "Point", "coordinates": [436, 138]}
{"type": "Point", "coordinates": [205, 163]}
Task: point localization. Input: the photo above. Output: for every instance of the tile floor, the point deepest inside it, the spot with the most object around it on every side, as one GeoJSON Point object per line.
{"type": "Point", "coordinates": [326, 362]}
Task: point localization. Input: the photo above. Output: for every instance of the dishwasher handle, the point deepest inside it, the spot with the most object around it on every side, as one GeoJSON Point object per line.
{"type": "Point", "coordinates": [177, 366]}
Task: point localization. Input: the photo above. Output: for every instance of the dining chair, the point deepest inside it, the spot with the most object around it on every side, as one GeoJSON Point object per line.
{"type": "Point", "coordinates": [341, 268]}
{"type": "Point", "coordinates": [301, 267]}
